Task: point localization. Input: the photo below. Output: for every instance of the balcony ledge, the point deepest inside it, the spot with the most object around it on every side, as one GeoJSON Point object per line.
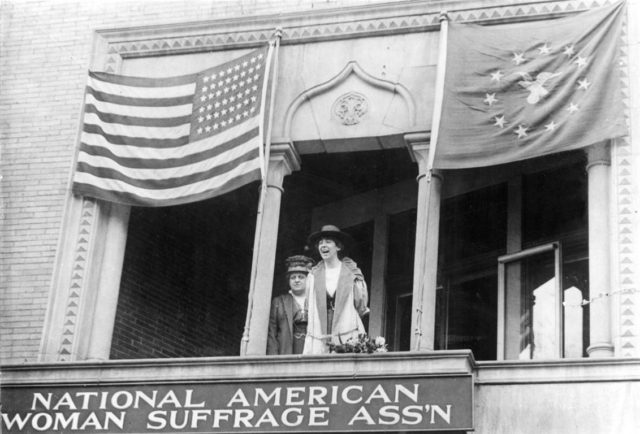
{"type": "Point", "coordinates": [220, 369]}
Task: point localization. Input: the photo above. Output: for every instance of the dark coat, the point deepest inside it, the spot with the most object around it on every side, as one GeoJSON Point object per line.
{"type": "Point", "coordinates": [280, 340]}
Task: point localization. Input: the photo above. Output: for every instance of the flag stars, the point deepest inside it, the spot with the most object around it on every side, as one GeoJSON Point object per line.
{"type": "Point", "coordinates": [572, 108]}
{"type": "Point", "coordinates": [500, 121]}
{"type": "Point", "coordinates": [490, 99]}
{"type": "Point", "coordinates": [569, 50]}
{"type": "Point", "coordinates": [497, 76]}
{"type": "Point", "coordinates": [544, 49]}
{"type": "Point", "coordinates": [518, 58]}
{"type": "Point", "coordinates": [580, 61]}
{"type": "Point", "coordinates": [551, 126]}
{"type": "Point", "coordinates": [521, 131]}
{"type": "Point", "coordinates": [583, 84]}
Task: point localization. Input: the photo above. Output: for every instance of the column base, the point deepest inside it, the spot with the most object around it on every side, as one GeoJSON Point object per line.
{"type": "Point", "coordinates": [601, 349]}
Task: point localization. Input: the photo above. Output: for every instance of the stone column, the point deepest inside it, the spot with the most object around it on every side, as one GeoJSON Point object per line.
{"type": "Point", "coordinates": [100, 316]}
{"type": "Point", "coordinates": [598, 171]}
{"type": "Point", "coordinates": [425, 266]}
{"type": "Point", "coordinates": [283, 160]}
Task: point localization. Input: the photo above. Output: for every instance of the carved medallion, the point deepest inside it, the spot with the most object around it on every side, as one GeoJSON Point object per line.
{"type": "Point", "coordinates": [350, 108]}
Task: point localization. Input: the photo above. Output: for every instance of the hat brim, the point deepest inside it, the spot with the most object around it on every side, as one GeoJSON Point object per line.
{"type": "Point", "coordinates": [343, 237]}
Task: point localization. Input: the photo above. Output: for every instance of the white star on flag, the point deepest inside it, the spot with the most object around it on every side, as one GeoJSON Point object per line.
{"type": "Point", "coordinates": [569, 50]}
{"type": "Point", "coordinates": [580, 61]}
{"type": "Point", "coordinates": [497, 76]}
{"type": "Point", "coordinates": [583, 84]}
{"type": "Point", "coordinates": [518, 58]}
{"type": "Point", "coordinates": [521, 131]}
{"type": "Point", "coordinates": [490, 99]}
{"type": "Point", "coordinates": [572, 108]}
{"type": "Point", "coordinates": [500, 121]}
{"type": "Point", "coordinates": [551, 126]}
{"type": "Point", "coordinates": [544, 49]}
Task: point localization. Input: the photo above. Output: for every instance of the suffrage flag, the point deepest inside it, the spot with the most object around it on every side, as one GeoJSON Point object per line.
{"type": "Point", "coordinates": [524, 90]}
{"type": "Point", "coordinates": [168, 141]}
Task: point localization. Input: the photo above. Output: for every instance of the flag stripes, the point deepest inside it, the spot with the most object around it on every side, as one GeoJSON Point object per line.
{"type": "Point", "coordinates": [168, 141]}
{"type": "Point", "coordinates": [156, 160]}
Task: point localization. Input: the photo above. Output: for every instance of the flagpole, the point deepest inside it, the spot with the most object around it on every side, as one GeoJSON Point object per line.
{"type": "Point", "coordinates": [273, 52]}
{"type": "Point", "coordinates": [435, 126]}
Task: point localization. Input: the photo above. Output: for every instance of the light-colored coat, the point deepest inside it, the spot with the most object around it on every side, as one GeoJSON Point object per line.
{"type": "Point", "coordinates": [351, 299]}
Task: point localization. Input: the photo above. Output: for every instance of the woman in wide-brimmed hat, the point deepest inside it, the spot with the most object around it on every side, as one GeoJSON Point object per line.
{"type": "Point", "coordinates": [288, 319]}
{"type": "Point", "coordinates": [336, 292]}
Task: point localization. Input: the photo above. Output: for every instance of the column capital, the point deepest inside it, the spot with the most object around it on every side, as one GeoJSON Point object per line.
{"type": "Point", "coordinates": [418, 145]}
{"type": "Point", "coordinates": [598, 155]}
{"type": "Point", "coordinates": [283, 160]}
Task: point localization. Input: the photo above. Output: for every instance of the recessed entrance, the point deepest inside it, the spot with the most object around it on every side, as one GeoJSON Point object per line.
{"type": "Point", "coordinates": [371, 195]}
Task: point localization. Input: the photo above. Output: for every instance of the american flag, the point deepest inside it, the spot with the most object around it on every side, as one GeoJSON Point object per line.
{"type": "Point", "coordinates": [169, 141]}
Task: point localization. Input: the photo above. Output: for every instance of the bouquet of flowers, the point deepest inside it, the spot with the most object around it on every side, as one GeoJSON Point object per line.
{"type": "Point", "coordinates": [361, 344]}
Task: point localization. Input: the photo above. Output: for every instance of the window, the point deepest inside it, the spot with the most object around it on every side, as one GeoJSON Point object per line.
{"type": "Point", "coordinates": [513, 260]}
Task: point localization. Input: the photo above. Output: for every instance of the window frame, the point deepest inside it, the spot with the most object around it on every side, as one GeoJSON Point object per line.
{"type": "Point", "coordinates": [503, 261]}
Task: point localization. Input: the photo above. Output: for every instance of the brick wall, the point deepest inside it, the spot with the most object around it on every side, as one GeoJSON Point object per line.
{"type": "Point", "coordinates": [186, 278]}
{"type": "Point", "coordinates": [45, 53]}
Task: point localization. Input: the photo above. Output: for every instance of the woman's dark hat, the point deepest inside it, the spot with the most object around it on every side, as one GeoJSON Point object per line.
{"type": "Point", "coordinates": [332, 232]}
{"type": "Point", "coordinates": [298, 264]}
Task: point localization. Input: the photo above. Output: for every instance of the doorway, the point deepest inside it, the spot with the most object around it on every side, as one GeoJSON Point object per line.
{"type": "Point", "coordinates": [371, 195]}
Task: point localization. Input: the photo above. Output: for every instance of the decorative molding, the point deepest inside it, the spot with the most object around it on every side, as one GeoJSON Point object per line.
{"type": "Point", "coordinates": [350, 108]}
{"type": "Point", "coordinates": [77, 281]}
{"type": "Point", "coordinates": [323, 25]}
{"type": "Point", "coordinates": [629, 323]}
{"type": "Point", "coordinates": [351, 68]}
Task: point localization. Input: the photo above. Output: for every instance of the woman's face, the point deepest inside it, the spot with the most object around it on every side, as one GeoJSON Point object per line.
{"type": "Point", "coordinates": [297, 282]}
{"type": "Point", "coordinates": [328, 248]}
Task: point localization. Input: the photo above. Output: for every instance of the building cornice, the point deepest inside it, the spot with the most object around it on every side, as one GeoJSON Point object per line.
{"type": "Point", "coordinates": [322, 25]}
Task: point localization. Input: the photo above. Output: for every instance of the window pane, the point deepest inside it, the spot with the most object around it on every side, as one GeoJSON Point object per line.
{"type": "Point", "coordinates": [538, 306]}
{"type": "Point", "coordinates": [473, 317]}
